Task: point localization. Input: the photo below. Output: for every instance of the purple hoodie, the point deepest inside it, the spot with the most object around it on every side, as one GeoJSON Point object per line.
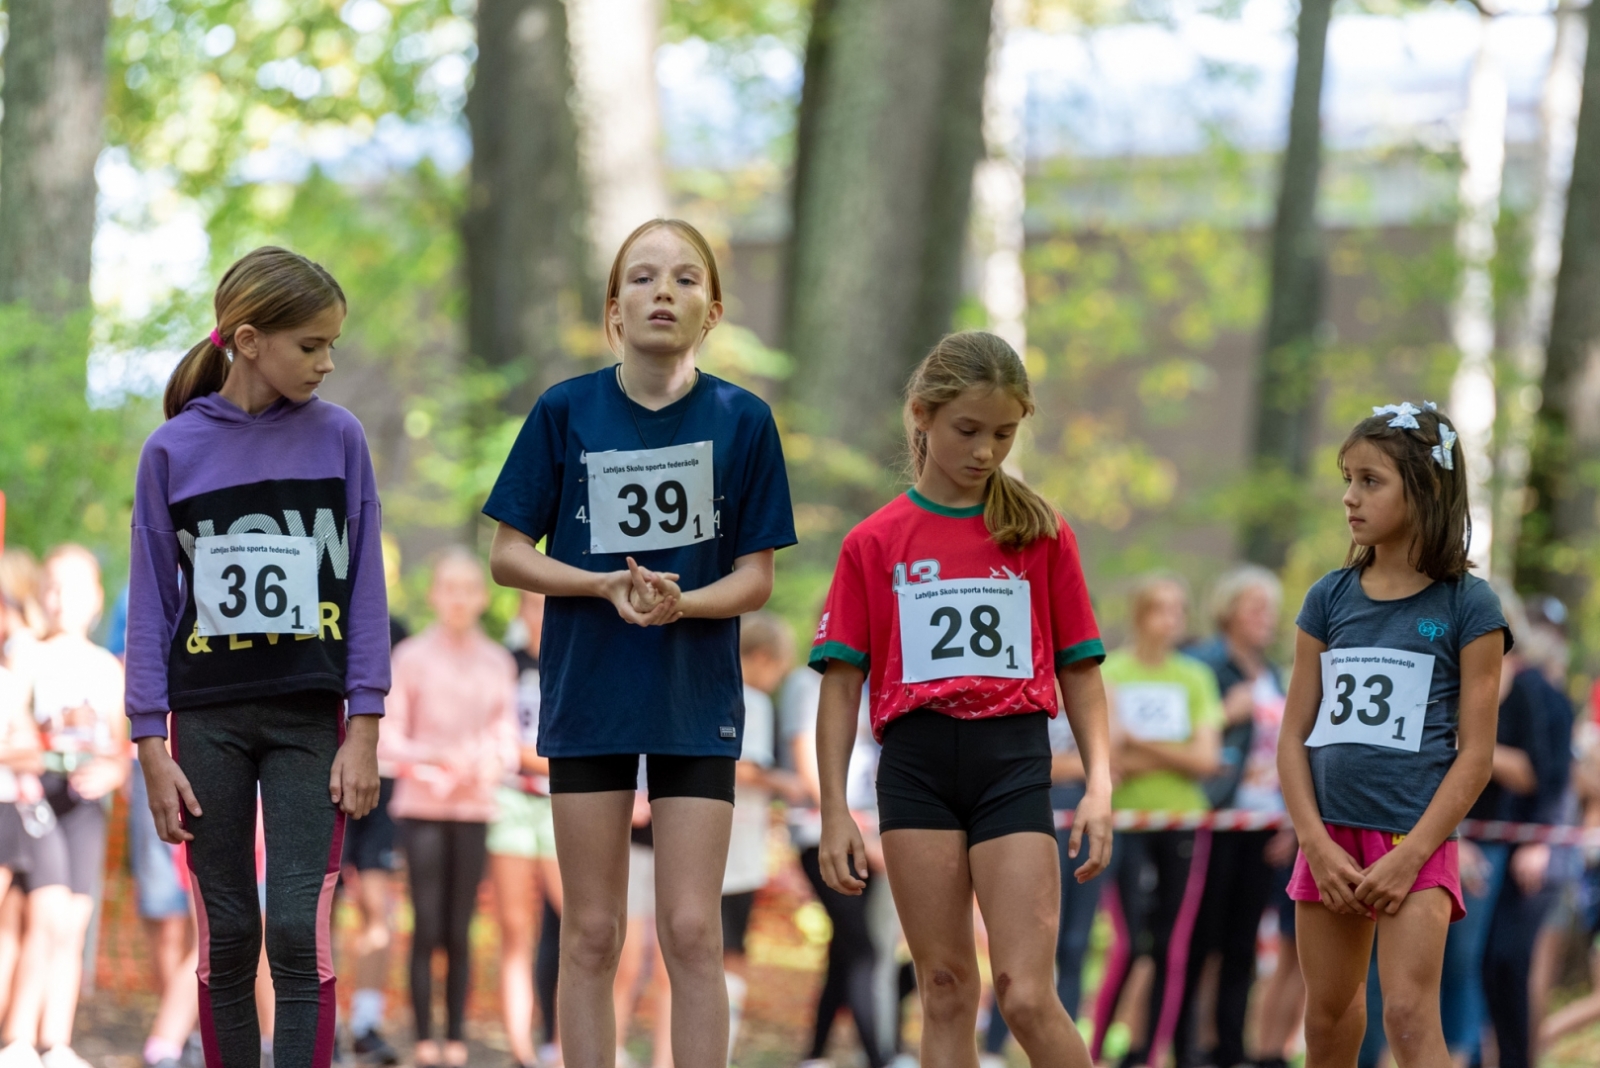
{"type": "Point", "coordinates": [294, 469]}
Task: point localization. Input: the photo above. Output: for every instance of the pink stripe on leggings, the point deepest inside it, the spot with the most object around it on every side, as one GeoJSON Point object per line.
{"type": "Point", "coordinates": [1178, 948]}
{"type": "Point", "coordinates": [1118, 959]}
{"type": "Point", "coordinates": [327, 1001]}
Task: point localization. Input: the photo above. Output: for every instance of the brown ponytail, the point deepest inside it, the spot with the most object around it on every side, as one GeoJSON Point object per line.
{"type": "Point", "coordinates": [271, 289]}
{"type": "Point", "coordinates": [1015, 515]}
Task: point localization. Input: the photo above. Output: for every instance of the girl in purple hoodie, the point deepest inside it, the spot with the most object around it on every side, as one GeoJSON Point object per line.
{"type": "Point", "coordinates": [257, 622]}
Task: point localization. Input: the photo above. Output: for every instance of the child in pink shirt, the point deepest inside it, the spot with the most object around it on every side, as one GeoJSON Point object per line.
{"type": "Point", "coordinates": [452, 737]}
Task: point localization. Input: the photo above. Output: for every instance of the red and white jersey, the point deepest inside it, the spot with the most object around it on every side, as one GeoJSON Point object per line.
{"type": "Point", "coordinates": [940, 617]}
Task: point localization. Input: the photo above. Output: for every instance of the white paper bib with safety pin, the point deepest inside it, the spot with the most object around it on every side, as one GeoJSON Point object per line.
{"type": "Point", "coordinates": [255, 584]}
{"type": "Point", "coordinates": [957, 627]}
{"type": "Point", "coordinates": [651, 498]}
{"type": "Point", "coordinates": [1373, 696]}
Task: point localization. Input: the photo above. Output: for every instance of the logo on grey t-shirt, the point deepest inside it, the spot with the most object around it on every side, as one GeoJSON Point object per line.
{"type": "Point", "coordinates": [1431, 628]}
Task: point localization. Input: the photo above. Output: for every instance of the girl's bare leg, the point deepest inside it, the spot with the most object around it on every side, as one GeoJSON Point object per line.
{"type": "Point", "coordinates": [1018, 882]}
{"type": "Point", "coordinates": [1410, 963]}
{"type": "Point", "coordinates": [517, 897]}
{"type": "Point", "coordinates": [691, 840]}
{"type": "Point", "coordinates": [1336, 989]}
{"type": "Point", "coordinates": [592, 841]}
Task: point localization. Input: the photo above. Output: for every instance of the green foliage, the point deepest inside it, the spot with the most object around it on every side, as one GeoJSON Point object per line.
{"type": "Point", "coordinates": [66, 469]}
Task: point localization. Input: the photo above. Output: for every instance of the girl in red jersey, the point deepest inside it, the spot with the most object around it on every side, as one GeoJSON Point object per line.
{"type": "Point", "coordinates": [965, 602]}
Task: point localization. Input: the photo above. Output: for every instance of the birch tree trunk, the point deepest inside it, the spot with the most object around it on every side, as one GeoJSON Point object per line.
{"type": "Point", "coordinates": [1560, 533]}
{"type": "Point", "coordinates": [1472, 325]}
{"type": "Point", "coordinates": [885, 184]}
{"type": "Point", "coordinates": [1286, 393]}
{"type": "Point", "coordinates": [50, 138]}
{"type": "Point", "coordinates": [1529, 327]}
{"type": "Point", "coordinates": [619, 135]}
{"type": "Point", "coordinates": [527, 252]}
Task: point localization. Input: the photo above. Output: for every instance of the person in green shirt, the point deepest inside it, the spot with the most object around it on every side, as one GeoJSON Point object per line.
{"type": "Point", "coordinates": [1166, 740]}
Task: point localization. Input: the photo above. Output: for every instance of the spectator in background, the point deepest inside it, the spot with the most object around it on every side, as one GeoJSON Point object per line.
{"type": "Point", "coordinates": [853, 955]}
{"type": "Point", "coordinates": [1248, 870]}
{"type": "Point", "coordinates": [766, 653]}
{"type": "Point", "coordinates": [1535, 722]}
{"type": "Point", "coordinates": [1166, 724]}
{"type": "Point", "coordinates": [367, 874]}
{"type": "Point", "coordinates": [451, 736]}
{"type": "Point", "coordinates": [77, 703]}
{"type": "Point", "coordinates": [522, 852]}
{"type": "Point", "coordinates": [19, 765]}
{"type": "Point", "coordinates": [21, 626]}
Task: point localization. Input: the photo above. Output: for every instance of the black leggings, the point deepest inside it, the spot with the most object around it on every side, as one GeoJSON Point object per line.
{"type": "Point", "coordinates": [852, 960]}
{"type": "Point", "coordinates": [1238, 886]}
{"type": "Point", "coordinates": [547, 969]}
{"type": "Point", "coordinates": [445, 859]}
{"type": "Point", "coordinates": [287, 746]}
{"type": "Point", "coordinates": [1508, 966]}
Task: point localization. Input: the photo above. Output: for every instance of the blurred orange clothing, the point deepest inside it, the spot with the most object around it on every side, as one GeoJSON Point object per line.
{"type": "Point", "coordinates": [449, 734]}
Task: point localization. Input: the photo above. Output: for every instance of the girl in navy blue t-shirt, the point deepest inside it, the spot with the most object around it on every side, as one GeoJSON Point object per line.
{"type": "Point", "coordinates": [660, 494]}
{"type": "Point", "coordinates": [1388, 736]}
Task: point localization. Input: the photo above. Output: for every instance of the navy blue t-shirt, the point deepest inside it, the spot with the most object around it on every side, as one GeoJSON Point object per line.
{"type": "Point", "coordinates": [1376, 787]}
{"type": "Point", "coordinates": [607, 686]}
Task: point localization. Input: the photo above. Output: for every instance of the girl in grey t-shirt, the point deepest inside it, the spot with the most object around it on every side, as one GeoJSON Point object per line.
{"type": "Point", "coordinates": [1388, 735]}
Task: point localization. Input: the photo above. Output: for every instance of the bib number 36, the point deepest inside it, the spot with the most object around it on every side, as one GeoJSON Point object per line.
{"type": "Point", "coordinates": [650, 498]}
{"type": "Point", "coordinates": [1373, 697]}
{"type": "Point", "coordinates": [966, 627]}
{"type": "Point", "coordinates": [255, 584]}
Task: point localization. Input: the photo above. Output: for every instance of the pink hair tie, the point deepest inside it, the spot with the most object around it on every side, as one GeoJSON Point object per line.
{"type": "Point", "coordinates": [216, 338]}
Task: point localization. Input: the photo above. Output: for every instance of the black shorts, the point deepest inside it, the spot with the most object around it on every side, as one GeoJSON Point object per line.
{"type": "Point", "coordinates": [736, 909]}
{"type": "Point", "coordinates": [369, 841]}
{"type": "Point", "coordinates": [668, 776]}
{"type": "Point", "coordinates": [13, 839]}
{"type": "Point", "coordinates": [987, 777]}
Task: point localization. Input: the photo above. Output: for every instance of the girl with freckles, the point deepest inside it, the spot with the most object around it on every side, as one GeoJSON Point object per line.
{"type": "Point", "coordinates": [1388, 737]}
{"type": "Point", "coordinates": [659, 494]}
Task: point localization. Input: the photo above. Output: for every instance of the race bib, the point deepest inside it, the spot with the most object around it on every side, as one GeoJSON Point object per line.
{"type": "Point", "coordinates": [1373, 697]}
{"type": "Point", "coordinates": [651, 498]}
{"type": "Point", "coordinates": [957, 627]}
{"type": "Point", "coordinates": [255, 584]}
{"type": "Point", "coordinates": [1154, 711]}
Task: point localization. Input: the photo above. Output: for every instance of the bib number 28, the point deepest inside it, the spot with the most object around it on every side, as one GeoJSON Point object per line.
{"type": "Point", "coordinates": [255, 584]}
{"type": "Point", "coordinates": [966, 627]}
{"type": "Point", "coordinates": [1373, 697]}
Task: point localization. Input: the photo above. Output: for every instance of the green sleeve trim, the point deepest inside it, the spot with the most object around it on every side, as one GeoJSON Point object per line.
{"type": "Point", "coordinates": [821, 654]}
{"type": "Point", "coordinates": [1094, 649]}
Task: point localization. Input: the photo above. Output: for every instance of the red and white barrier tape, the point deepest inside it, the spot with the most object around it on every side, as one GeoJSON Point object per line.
{"type": "Point", "coordinates": [1233, 819]}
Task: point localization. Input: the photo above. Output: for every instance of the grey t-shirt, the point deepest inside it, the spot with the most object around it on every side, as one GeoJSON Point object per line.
{"type": "Point", "coordinates": [1371, 786]}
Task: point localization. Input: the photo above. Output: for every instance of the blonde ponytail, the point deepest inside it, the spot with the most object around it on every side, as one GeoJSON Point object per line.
{"type": "Point", "coordinates": [271, 289]}
{"type": "Point", "coordinates": [202, 370]}
{"type": "Point", "coordinates": [1014, 514]}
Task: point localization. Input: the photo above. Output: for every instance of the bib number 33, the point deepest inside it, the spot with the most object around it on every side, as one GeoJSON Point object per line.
{"type": "Point", "coordinates": [1373, 697]}
{"type": "Point", "coordinates": [966, 627]}
{"type": "Point", "coordinates": [255, 584]}
{"type": "Point", "coordinates": [651, 498]}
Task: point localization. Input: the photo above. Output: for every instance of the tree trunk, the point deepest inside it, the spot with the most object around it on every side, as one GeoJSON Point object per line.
{"type": "Point", "coordinates": [1472, 395]}
{"type": "Point", "coordinates": [53, 129]}
{"type": "Point", "coordinates": [614, 63]}
{"type": "Point", "coordinates": [999, 194]}
{"type": "Point", "coordinates": [1559, 535]}
{"type": "Point", "coordinates": [1286, 398]}
{"type": "Point", "coordinates": [1529, 328]}
{"type": "Point", "coordinates": [885, 181]}
{"type": "Point", "coordinates": [812, 91]}
{"type": "Point", "coordinates": [527, 253]}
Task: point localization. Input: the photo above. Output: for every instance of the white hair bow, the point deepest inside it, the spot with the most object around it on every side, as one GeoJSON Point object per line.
{"type": "Point", "coordinates": [1443, 453]}
{"type": "Point", "coordinates": [1405, 415]}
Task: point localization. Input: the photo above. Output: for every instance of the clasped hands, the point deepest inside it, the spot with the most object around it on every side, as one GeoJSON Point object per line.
{"type": "Point", "coordinates": [644, 597]}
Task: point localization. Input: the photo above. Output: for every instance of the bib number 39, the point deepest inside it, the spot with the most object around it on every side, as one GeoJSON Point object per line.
{"type": "Point", "coordinates": [1373, 696]}
{"type": "Point", "coordinates": [966, 627]}
{"type": "Point", "coordinates": [255, 584]}
{"type": "Point", "coordinates": [650, 498]}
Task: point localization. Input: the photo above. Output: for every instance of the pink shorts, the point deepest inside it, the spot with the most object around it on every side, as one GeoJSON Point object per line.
{"type": "Point", "coordinates": [1443, 869]}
